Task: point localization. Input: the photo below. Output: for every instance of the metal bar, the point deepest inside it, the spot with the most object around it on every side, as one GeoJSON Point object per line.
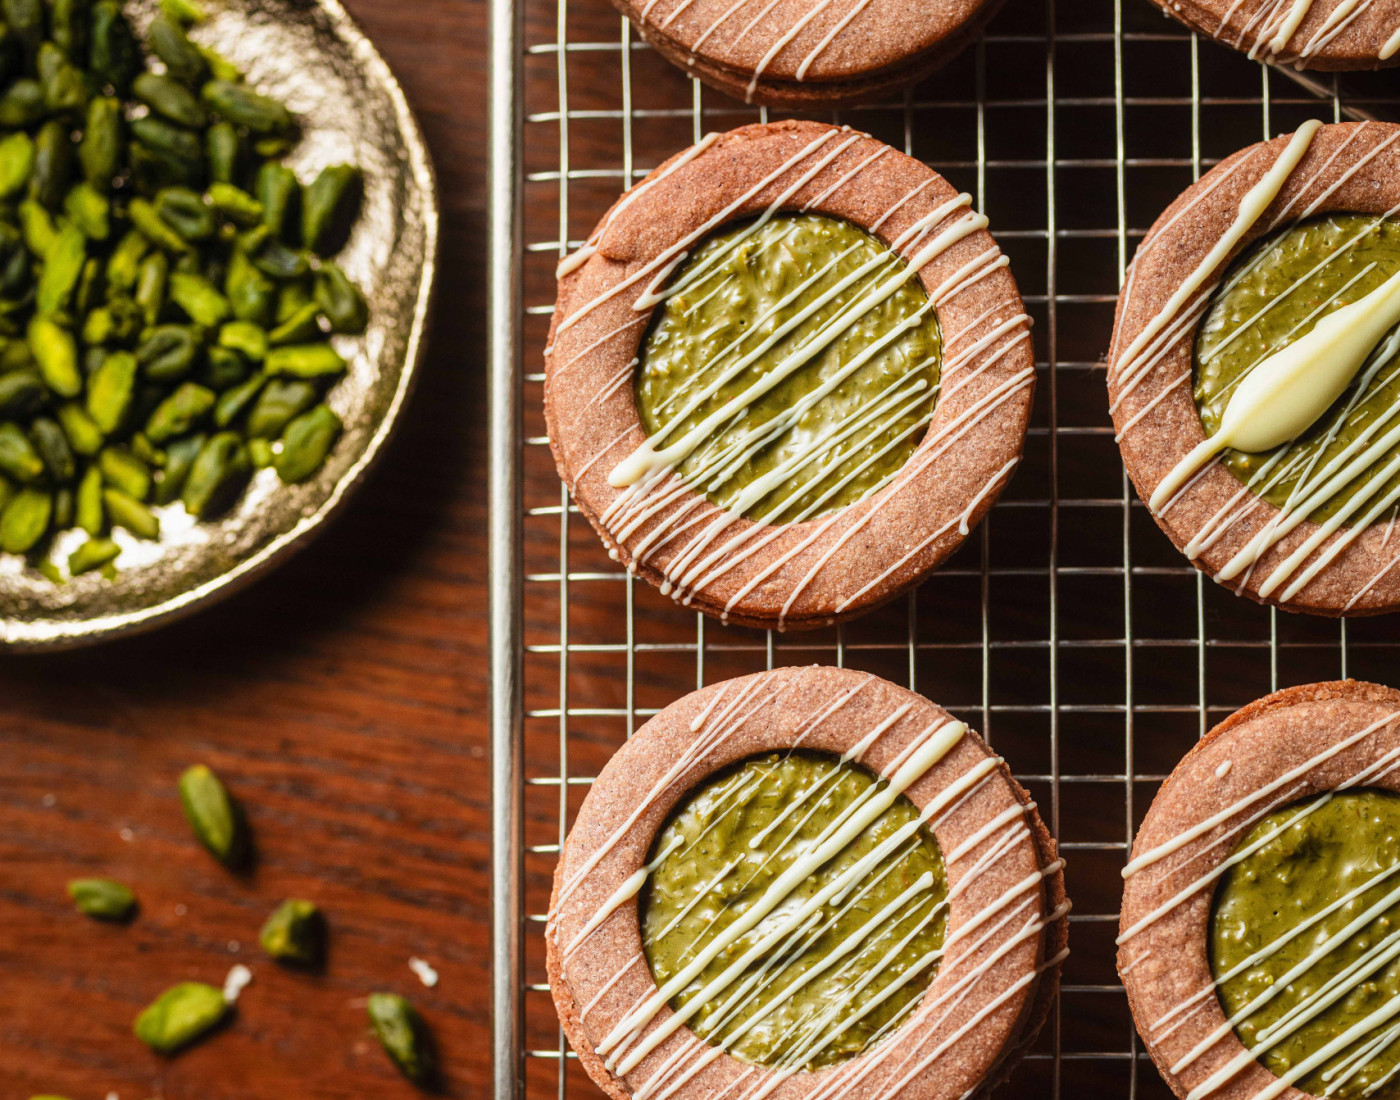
{"type": "Point", "coordinates": [505, 233]}
{"type": "Point", "coordinates": [1052, 564]}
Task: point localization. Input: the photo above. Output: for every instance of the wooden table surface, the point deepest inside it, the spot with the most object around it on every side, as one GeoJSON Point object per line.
{"type": "Point", "coordinates": [343, 699]}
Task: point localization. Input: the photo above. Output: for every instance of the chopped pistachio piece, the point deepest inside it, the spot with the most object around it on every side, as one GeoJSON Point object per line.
{"type": "Point", "coordinates": [404, 1036]}
{"type": "Point", "coordinates": [102, 898]}
{"type": "Point", "coordinates": [180, 1015]}
{"type": "Point", "coordinates": [213, 816]}
{"type": "Point", "coordinates": [295, 932]}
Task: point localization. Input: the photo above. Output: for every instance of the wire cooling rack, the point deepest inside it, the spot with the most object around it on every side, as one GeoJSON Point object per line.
{"type": "Point", "coordinates": [1067, 630]}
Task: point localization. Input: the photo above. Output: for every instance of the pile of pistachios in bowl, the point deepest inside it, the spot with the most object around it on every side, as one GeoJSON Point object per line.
{"type": "Point", "coordinates": [167, 297]}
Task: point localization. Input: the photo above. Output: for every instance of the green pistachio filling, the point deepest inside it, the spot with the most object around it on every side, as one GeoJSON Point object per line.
{"type": "Point", "coordinates": [817, 381]}
{"type": "Point", "coordinates": [1273, 295]}
{"type": "Point", "coordinates": [1330, 871]}
{"type": "Point", "coordinates": [848, 973]}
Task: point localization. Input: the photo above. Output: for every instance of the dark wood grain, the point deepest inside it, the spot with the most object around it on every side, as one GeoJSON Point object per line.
{"type": "Point", "coordinates": [343, 698]}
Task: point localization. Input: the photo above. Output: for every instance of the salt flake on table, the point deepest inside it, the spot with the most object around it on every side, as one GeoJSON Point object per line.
{"type": "Point", "coordinates": [426, 974]}
{"type": "Point", "coordinates": [237, 981]}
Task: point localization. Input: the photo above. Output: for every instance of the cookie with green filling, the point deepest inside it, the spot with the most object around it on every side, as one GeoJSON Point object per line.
{"type": "Point", "coordinates": [805, 883]}
{"type": "Point", "coordinates": [808, 53]}
{"type": "Point", "coordinates": [787, 374]}
{"type": "Point", "coordinates": [1308, 34]}
{"type": "Point", "coordinates": [1271, 257]}
{"type": "Point", "coordinates": [1260, 924]}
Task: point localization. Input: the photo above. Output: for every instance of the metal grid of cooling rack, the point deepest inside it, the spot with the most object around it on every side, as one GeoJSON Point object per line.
{"type": "Point", "coordinates": [1067, 630]}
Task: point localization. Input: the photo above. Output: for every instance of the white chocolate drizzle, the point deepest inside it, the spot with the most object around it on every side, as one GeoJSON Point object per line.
{"type": "Point", "coordinates": [1266, 32]}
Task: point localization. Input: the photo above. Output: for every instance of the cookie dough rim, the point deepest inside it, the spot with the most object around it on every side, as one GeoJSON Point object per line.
{"type": "Point", "coordinates": [1139, 969]}
{"type": "Point", "coordinates": [1354, 49]}
{"type": "Point", "coordinates": [826, 90]}
{"type": "Point", "coordinates": [577, 369]}
{"type": "Point", "coordinates": [1152, 445]}
{"type": "Point", "coordinates": [1015, 1029]}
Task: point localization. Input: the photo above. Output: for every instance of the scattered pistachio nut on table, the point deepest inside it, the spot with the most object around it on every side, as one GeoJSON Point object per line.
{"type": "Point", "coordinates": [214, 817]}
{"type": "Point", "coordinates": [167, 296]}
{"type": "Point", "coordinates": [180, 1015]}
{"type": "Point", "coordinates": [295, 932]}
{"type": "Point", "coordinates": [404, 1035]}
{"type": "Point", "coordinates": [102, 898]}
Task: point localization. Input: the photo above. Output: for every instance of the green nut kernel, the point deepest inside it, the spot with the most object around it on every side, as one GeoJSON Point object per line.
{"type": "Point", "coordinates": [279, 192]}
{"type": "Point", "coordinates": [329, 206]}
{"type": "Point", "coordinates": [168, 352]}
{"type": "Point", "coordinates": [22, 393]}
{"type": "Point", "coordinates": [242, 106]}
{"type": "Point", "coordinates": [90, 210]}
{"type": "Point", "coordinates": [217, 476]}
{"type": "Point", "coordinates": [169, 98]}
{"type": "Point", "coordinates": [52, 444]}
{"type": "Point", "coordinates": [62, 268]}
{"type": "Point", "coordinates": [295, 932]}
{"type": "Point", "coordinates": [126, 511]}
{"type": "Point", "coordinates": [306, 443]}
{"type": "Point", "coordinates": [179, 412]}
{"type": "Point", "coordinates": [113, 51]}
{"type": "Point", "coordinates": [102, 898]}
{"type": "Point", "coordinates": [232, 402]}
{"type": "Point", "coordinates": [305, 361]}
{"type": "Point", "coordinates": [277, 405]}
{"type": "Point", "coordinates": [123, 470]}
{"type": "Point", "coordinates": [93, 554]}
{"type": "Point", "coordinates": [110, 389]}
{"type": "Point", "coordinates": [25, 520]}
{"type": "Point", "coordinates": [16, 163]}
{"type": "Point", "coordinates": [179, 457]}
{"type": "Point", "coordinates": [235, 204]}
{"type": "Point", "coordinates": [404, 1036]}
{"type": "Point", "coordinates": [89, 512]}
{"type": "Point", "coordinates": [197, 297]}
{"type": "Point", "coordinates": [170, 43]}
{"type": "Point", "coordinates": [144, 217]}
{"type": "Point", "coordinates": [18, 458]}
{"type": "Point", "coordinates": [340, 300]}
{"type": "Point", "coordinates": [180, 1015]}
{"type": "Point", "coordinates": [56, 353]}
{"type": "Point", "coordinates": [213, 815]}
{"type": "Point", "coordinates": [245, 337]}
{"type": "Point", "coordinates": [84, 435]}
{"type": "Point", "coordinates": [300, 327]}
{"type": "Point", "coordinates": [100, 151]}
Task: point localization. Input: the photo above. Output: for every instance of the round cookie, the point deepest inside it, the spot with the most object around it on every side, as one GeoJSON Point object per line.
{"type": "Point", "coordinates": [1290, 745]}
{"type": "Point", "coordinates": [1296, 556]}
{"type": "Point", "coordinates": [1006, 916]}
{"type": "Point", "coordinates": [809, 572]}
{"type": "Point", "coordinates": [1308, 34]}
{"type": "Point", "coordinates": [807, 53]}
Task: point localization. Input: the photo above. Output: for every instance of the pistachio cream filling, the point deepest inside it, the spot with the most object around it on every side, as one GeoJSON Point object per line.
{"type": "Point", "coordinates": [1272, 297]}
{"type": "Point", "coordinates": [1305, 944]}
{"type": "Point", "coordinates": [853, 970]}
{"type": "Point", "coordinates": [830, 377]}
